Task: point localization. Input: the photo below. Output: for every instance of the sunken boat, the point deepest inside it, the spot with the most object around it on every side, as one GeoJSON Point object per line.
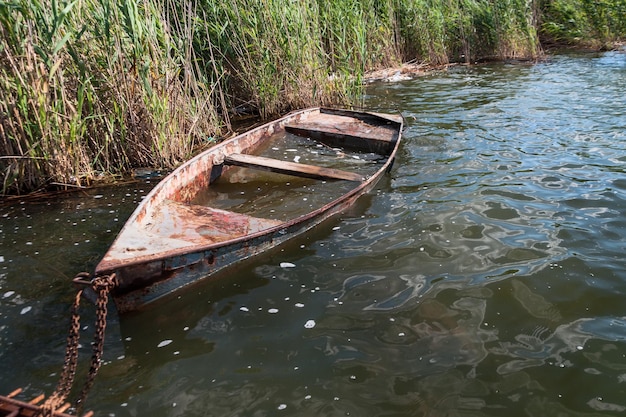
{"type": "Point", "coordinates": [246, 195]}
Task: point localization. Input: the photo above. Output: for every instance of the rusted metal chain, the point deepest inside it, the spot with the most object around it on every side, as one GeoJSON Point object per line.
{"type": "Point", "coordinates": [102, 286]}
{"type": "Point", "coordinates": [69, 365]}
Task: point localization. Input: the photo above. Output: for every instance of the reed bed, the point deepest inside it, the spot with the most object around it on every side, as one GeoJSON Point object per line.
{"type": "Point", "coordinates": [96, 87]}
{"type": "Point", "coordinates": [90, 89]}
{"type": "Point", "coordinates": [597, 24]}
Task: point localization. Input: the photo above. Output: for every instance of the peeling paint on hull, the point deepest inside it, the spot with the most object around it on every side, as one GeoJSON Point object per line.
{"type": "Point", "coordinates": [169, 242]}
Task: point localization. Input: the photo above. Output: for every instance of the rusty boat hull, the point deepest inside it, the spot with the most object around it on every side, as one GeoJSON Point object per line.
{"type": "Point", "coordinates": [178, 236]}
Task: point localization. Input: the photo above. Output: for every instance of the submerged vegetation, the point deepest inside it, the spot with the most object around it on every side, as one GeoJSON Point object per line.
{"type": "Point", "coordinates": [94, 88]}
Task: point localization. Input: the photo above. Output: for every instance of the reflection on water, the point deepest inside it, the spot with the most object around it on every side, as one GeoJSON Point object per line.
{"type": "Point", "coordinates": [483, 277]}
{"type": "Point", "coordinates": [283, 197]}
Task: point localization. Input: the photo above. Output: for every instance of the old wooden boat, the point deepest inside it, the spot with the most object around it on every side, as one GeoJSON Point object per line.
{"type": "Point", "coordinates": [246, 195]}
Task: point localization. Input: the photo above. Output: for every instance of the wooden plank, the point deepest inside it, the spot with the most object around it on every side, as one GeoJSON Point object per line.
{"type": "Point", "coordinates": [348, 135]}
{"type": "Point", "coordinates": [290, 168]}
{"type": "Point", "coordinates": [371, 117]}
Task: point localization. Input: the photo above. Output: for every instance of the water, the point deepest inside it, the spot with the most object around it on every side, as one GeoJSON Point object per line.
{"type": "Point", "coordinates": [483, 277]}
{"type": "Point", "coordinates": [274, 196]}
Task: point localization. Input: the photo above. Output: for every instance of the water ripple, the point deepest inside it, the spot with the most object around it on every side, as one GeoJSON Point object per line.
{"type": "Point", "coordinates": [484, 276]}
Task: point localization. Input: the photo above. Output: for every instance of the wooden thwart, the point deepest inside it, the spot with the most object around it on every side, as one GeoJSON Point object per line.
{"type": "Point", "coordinates": [346, 130]}
{"type": "Point", "coordinates": [290, 168]}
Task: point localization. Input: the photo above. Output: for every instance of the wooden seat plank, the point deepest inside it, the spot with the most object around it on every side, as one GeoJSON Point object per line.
{"type": "Point", "coordinates": [290, 168]}
{"type": "Point", "coordinates": [336, 129]}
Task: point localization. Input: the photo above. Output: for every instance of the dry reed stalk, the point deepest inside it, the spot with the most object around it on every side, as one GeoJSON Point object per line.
{"type": "Point", "coordinates": [97, 87]}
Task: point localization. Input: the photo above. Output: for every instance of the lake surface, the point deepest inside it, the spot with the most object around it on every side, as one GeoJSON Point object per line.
{"type": "Point", "coordinates": [485, 276]}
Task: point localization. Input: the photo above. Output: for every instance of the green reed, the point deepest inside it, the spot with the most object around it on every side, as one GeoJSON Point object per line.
{"type": "Point", "coordinates": [93, 88]}
{"type": "Point", "coordinates": [597, 24]}
{"type": "Point", "coordinates": [273, 55]}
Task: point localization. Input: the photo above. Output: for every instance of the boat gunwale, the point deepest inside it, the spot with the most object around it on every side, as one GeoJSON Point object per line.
{"type": "Point", "coordinates": [112, 265]}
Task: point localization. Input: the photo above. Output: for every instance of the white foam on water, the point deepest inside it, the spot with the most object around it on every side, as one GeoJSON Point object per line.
{"type": "Point", "coordinates": [164, 343]}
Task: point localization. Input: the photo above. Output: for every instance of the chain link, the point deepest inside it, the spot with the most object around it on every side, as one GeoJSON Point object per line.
{"type": "Point", "coordinates": [102, 286]}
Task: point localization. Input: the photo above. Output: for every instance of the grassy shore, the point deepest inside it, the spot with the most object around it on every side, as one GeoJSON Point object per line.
{"type": "Point", "coordinates": [90, 89]}
{"type": "Point", "coordinates": [589, 24]}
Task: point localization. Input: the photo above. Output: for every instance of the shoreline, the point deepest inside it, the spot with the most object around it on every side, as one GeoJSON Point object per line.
{"type": "Point", "coordinates": [403, 72]}
{"type": "Point", "coordinates": [411, 70]}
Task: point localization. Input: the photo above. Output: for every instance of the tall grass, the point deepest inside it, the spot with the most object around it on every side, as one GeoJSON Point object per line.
{"type": "Point", "coordinates": [267, 51]}
{"type": "Point", "coordinates": [579, 22]}
{"type": "Point", "coordinates": [92, 88]}
{"type": "Point", "coordinates": [443, 31]}
{"type": "Point", "coordinates": [96, 87]}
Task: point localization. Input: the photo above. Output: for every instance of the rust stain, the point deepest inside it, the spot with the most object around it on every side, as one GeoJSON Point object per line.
{"type": "Point", "coordinates": [168, 236]}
